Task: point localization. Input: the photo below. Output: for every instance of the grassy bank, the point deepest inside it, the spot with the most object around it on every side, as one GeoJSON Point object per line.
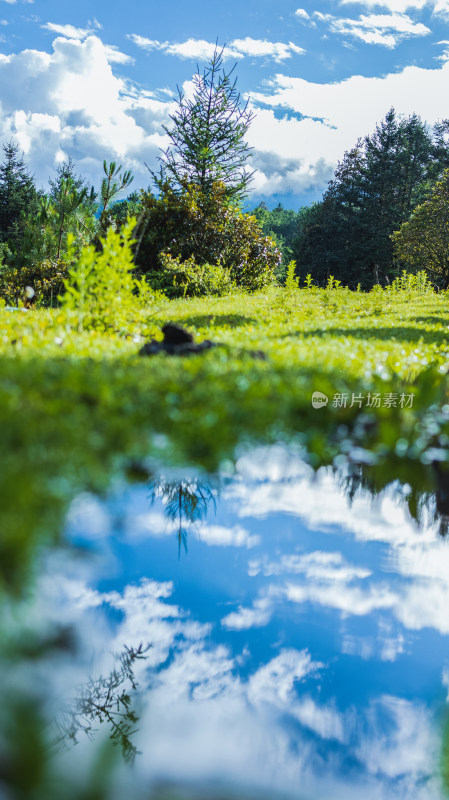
{"type": "Point", "coordinates": [77, 407]}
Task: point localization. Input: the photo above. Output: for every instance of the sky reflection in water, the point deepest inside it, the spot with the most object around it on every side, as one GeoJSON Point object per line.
{"type": "Point", "coordinates": [299, 646]}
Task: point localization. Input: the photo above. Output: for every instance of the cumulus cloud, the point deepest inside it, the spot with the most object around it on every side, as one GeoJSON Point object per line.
{"type": "Point", "coordinates": [202, 50]}
{"type": "Point", "coordinates": [70, 101]}
{"type": "Point", "coordinates": [328, 126]}
{"type": "Point", "coordinates": [382, 29]}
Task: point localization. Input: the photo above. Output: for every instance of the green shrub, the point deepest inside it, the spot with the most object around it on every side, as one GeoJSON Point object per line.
{"type": "Point", "coordinates": [208, 228]}
{"type": "Point", "coordinates": [101, 289]}
{"type": "Point", "coordinates": [188, 279]}
{"type": "Point", "coordinates": [291, 281]}
{"type": "Point", "coordinates": [45, 280]}
{"type": "Point", "coordinates": [416, 283]}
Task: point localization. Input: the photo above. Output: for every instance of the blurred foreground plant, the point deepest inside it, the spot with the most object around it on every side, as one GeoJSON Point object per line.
{"type": "Point", "coordinates": [101, 288]}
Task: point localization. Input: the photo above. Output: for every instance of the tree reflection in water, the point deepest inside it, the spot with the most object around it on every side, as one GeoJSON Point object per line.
{"type": "Point", "coordinates": [106, 700]}
{"type": "Point", "coordinates": [427, 506]}
{"type": "Point", "coordinates": [185, 502]}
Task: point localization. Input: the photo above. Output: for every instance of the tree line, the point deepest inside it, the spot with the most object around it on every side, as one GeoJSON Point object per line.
{"type": "Point", "coordinates": [384, 209]}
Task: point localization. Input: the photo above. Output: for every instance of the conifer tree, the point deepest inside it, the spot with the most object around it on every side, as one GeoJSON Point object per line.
{"type": "Point", "coordinates": [375, 188]}
{"type": "Point", "coordinates": [207, 139]}
{"type": "Point", "coordinates": [73, 203]}
{"type": "Point", "coordinates": [18, 197]}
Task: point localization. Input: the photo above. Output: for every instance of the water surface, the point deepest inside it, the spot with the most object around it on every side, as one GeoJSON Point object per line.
{"type": "Point", "coordinates": [297, 639]}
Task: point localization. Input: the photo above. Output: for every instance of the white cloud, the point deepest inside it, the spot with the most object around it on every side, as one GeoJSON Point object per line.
{"type": "Point", "coordinates": [278, 51]}
{"type": "Point", "coordinates": [383, 29]}
{"type": "Point", "coordinates": [322, 720]}
{"type": "Point", "coordinates": [350, 600]}
{"type": "Point", "coordinates": [221, 536]}
{"type": "Point", "coordinates": [317, 566]}
{"type": "Point", "coordinates": [302, 153]}
{"type": "Point", "coordinates": [70, 100]}
{"type": "Point", "coordinates": [438, 7]}
{"type": "Point", "coordinates": [195, 49]}
{"type": "Point", "coordinates": [202, 50]}
{"type": "Point", "coordinates": [302, 13]}
{"type": "Point", "coordinates": [395, 6]}
{"type": "Point", "coordinates": [257, 616]}
{"type": "Point", "coordinates": [409, 745]}
{"type": "Point", "coordinates": [69, 31]}
{"type": "Point", "coordinates": [155, 524]}
{"type": "Point", "coordinates": [115, 56]}
{"type": "Point", "coordinates": [274, 682]}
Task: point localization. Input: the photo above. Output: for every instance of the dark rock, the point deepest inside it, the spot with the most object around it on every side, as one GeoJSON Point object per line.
{"type": "Point", "coordinates": [179, 342]}
{"type": "Point", "coordinates": [174, 334]}
{"type": "Point", "coordinates": [154, 348]}
{"type": "Point", "coordinates": [259, 354]}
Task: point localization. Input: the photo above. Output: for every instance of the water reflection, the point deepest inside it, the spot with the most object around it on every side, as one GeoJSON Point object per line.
{"type": "Point", "coordinates": [186, 502]}
{"type": "Point", "coordinates": [105, 700]}
{"type": "Point", "coordinates": [299, 648]}
{"type": "Point", "coordinates": [429, 506]}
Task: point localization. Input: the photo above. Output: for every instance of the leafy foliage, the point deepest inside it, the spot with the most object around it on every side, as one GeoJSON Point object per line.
{"type": "Point", "coordinates": [101, 289]}
{"type": "Point", "coordinates": [45, 280]}
{"type": "Point", "coordinates": [422, 243]}
{"type": "Point", "coordinates": [188, 279]}
{"type": "Point", "coordinates": [281, 225]}
{"type": "Point", "coordinates": [207, 228]}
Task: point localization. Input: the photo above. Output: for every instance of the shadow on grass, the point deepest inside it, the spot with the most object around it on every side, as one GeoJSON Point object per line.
{"type": "Point", "coordinates": [218, 320]}
{"type": "Point", "coordinates": [432, 320]}
{"type": "Point", "coordinates": [402, 334]}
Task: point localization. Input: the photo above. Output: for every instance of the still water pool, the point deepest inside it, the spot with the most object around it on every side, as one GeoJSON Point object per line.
{"type": "Point", "coordinates": [293, 634]}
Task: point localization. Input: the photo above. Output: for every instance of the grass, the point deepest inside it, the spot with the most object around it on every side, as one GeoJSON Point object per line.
{"type": "Point", "coordinates": [79, 407]}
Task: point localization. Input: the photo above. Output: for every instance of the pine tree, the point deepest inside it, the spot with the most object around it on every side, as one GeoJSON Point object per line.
{"type": "Point", "coordinates": [207, 140]}
{"type": "Point", "coordinates": [375, 188]}
{"type": "Point", "coordinates": [110, 188]}
{"type": "Point", "coordinates": [18, 197]}
{"type": "Point", "coordinates": [73, 205]}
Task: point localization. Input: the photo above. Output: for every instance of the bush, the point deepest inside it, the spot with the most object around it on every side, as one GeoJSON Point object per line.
{"type": "Point", "coordinates": [45, 280]}
{"type": "Point", "coordinates": [209, 229]}
{"type": "Point", "coordinates": [101, 288]}
{"type": "Point", "coordinates": [189, 279]}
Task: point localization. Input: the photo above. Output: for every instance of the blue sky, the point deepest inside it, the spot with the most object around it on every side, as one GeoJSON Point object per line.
{"type": "Point", "coordinates": [97, 80]}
